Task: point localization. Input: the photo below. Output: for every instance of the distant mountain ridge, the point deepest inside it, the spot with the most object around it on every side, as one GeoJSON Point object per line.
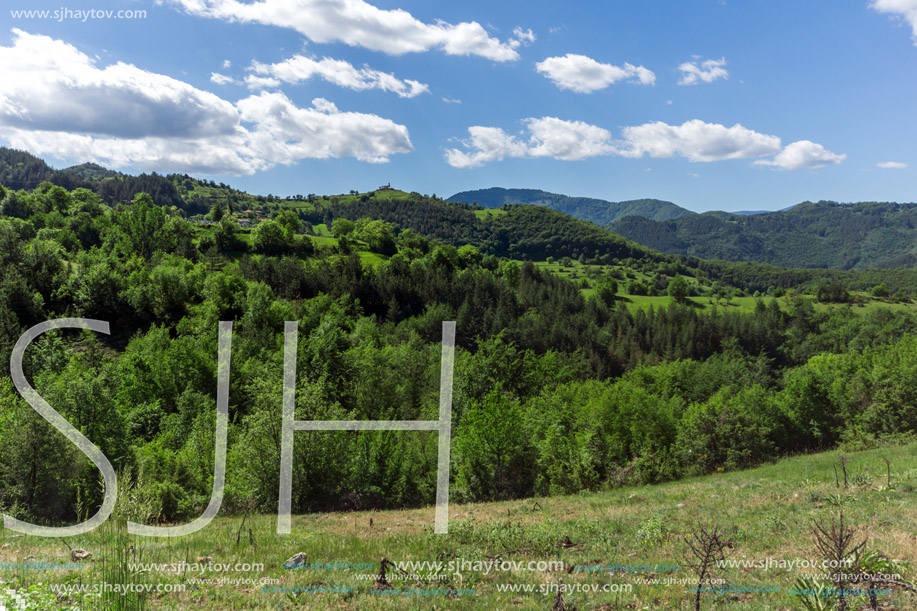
{"type": "Point", "coordinates": [820, 234]}
{"type": "Point", "coordinates": [598, 211]}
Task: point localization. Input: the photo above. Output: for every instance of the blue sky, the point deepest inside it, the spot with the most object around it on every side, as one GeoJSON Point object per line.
{"type": "Point", "coordinates": [711, 104]}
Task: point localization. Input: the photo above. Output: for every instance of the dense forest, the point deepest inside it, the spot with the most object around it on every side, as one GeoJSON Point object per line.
{"type": "Point", "coordinates": [596, 211]}
{"type": "Point", "coordinates": [822, 234]}
{"type": "Point", "coordinates": [557, 388]}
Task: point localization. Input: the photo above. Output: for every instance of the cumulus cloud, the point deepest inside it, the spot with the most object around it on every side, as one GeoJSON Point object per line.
{"type": "Point", "coordinates": [567, 140]}
{"type": "Point", "coordinates": [299, 69]}
{"type": "Point", "coordinates": [892, 165]}
{"type": "Point", "coordinates": [903, 9]}
{"type": "Point", "coordinates": [221, 79]}
{"type": "Point", "coordinates": [697, 141]}
{"type": "Point", "coordinates": [693, 73]}
{"type": "Point", "coordinates": [286, 133]}
{"type": "Point", "coordinates": [359, 24]}
{"type": "Point", "coordinates": [694, 140]}
{"type": "Point", "coordinates": [801, 155]}
{"type": "Point", "coordinates": [547, 137]}
{"type": "Point", "coordinates": [49, 85]}
{"type": "Point", "coordinates": [486, 144]}
{"type": "Point", "coordinates": [583, 74]}
{"type": "Point", "coordinates": [57, 101]}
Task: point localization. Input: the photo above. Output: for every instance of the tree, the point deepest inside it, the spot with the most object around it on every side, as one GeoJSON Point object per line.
{"type": "Point", "coordinates": [59, 199]}
{"type": "Point", "coordinates": [493, 447]}
{"type": "Point", "coordinates": [678, 289]}
{"type": "Point", "coordinates": [289, 221]}
{"type": "Point", "coordinates": [469, 255]}
{"type": "Point", "coordinates": [377, 234]}
{"type": "Point", "coordinates": [16, 204]}
{"type": "Point", "coordinates": [140, 229]}
{"type": "Point", "coordinates": [832, 293]}
{"type": "Point", "coordinates": [226, 235]}
{"type": "Point", "coordinates": [636, 288]}
{"type": "Point", "coordinates": [216, 212]}
{"type": "Point", "coordinates": [605, 289]}
{"type": "Point", "coordinates": [342, 227]}
{"type": "Point", "coordinates": [269, 238]}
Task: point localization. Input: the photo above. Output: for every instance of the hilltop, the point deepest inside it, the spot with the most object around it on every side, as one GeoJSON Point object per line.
{"type": "Point", "coordinates": [598, 211]}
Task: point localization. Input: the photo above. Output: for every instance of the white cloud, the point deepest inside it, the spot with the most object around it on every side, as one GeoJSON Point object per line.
{"type": "Point", "coordinates": [522, 37]}
{"type": "Point", "coordinates": [892, 165]}
{"type": "Point", "coordinates": [694, 140]}
{"type": "Point", "coordinates": [50, 85]}
{"type": "Point", "coordinates": [904, 9]}
{"type": "Point", "coordinates": [567, 140]}
{"type": "Point", "coordinates": [449, 100]}
{"type": "Point", "coordinates": [221, 79]}
{"type": "Point", "coordinates": [547, 137]}
{"type": "Point", "coordinates": [261, 82]}
{"type": "Point", "coordinates": [56, 101]}
{"type": "Point", "coordinates": [359, 24]}
{"type": "Point", "coordinates": [285, 133]}
{"type": "Point", "coordinates": [226, 64]}
{"type": "Point", "coordinates": [801, 155]}
{"type": "Point", "coordinates": [707, 71]}
{"type": "Point", "coordinates": [486, 144]}
{"type": "Point", "coordinates": [697, 141]}
{"type": "Point", "coordinates": [299, 68]}
{"type": "Point", "coordinates": [583, 74]}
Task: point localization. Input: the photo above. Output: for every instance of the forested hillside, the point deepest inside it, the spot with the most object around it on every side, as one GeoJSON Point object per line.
{"type": "Point", "coordinates": [822, 234]}
{"type": "Point", "coordinates": [596, 211]}
{"type": "Point", "coordinates": [558, 387]}
{"type": "Point", "coordinates": [21, 170]}
{"type": "Point", "coordinates": [536, 233]}
{"type": "Point", "coordinates": [523, 232]}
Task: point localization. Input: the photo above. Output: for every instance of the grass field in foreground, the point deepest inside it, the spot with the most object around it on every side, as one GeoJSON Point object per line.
{"type": "Point", "coordinates": [767, 512]}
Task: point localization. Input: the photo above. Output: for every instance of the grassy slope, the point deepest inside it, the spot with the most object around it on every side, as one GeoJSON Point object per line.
{"type": "Point", "coordinates": [768, 512]}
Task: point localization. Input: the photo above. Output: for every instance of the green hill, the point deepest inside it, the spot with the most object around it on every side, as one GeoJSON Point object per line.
{"type": "Point", "coordinates": [598, 211]}
{"type": "Point", "coordinates": [93, 171]}
{"type": "Point", "coordinates": [22, 170]}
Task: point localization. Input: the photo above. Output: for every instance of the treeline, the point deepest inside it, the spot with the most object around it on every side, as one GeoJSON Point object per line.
{"type": "Point", "coordinates": [681, 418]}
